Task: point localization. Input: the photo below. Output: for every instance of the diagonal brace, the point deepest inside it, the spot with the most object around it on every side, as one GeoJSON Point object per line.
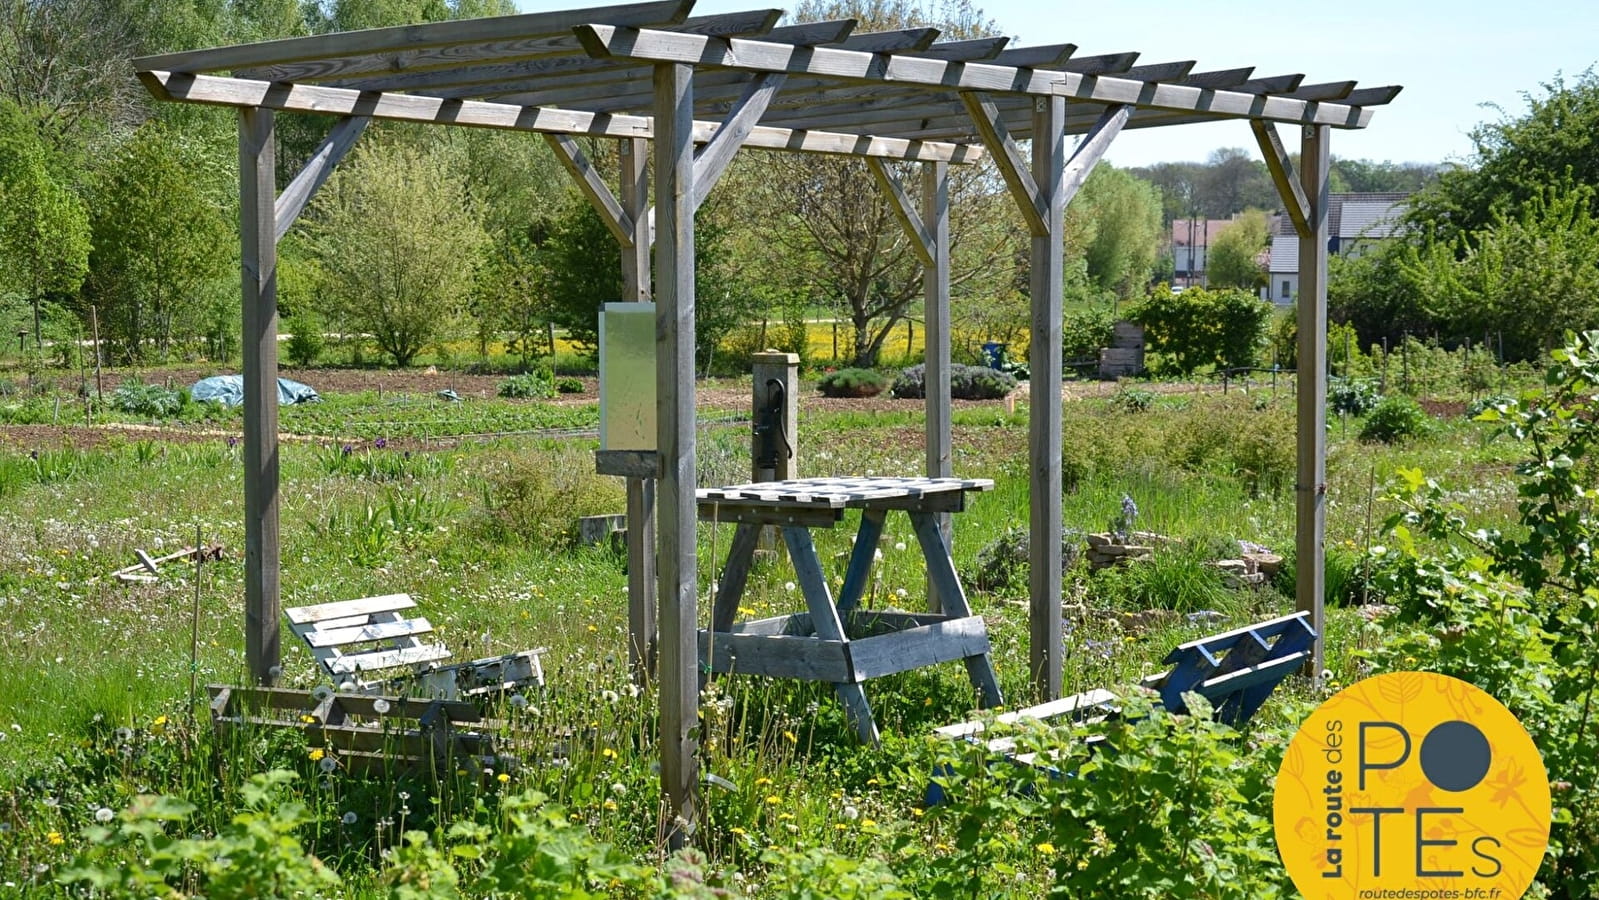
{"type": "Point", "coordinates": [1282, 175]}
{"type": "Point", "coordinates": [1092, 149]}
{"type": "Point", "coordinates": [714, 158]}
{"type": "Point", "coordinates": [593, 187]}
{"type": "Point", "coordinates": [900, 205]}
{"type": "Point", "coordinates": [298, 194]}
{"type": "Point", "coordinates": [1008, 157]}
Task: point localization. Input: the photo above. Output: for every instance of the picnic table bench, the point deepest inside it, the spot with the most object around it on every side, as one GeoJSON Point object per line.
{"type": "Point", "coordinates": [834, 640]}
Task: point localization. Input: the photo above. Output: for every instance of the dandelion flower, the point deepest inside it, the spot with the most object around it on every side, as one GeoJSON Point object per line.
{"type": "Point", "coordinates": [609, 805]}
{"type": "Point", "coordinates": [380, 706]}
{"type": "Point", "coordinates": [104, 814]}
{"type": "Point", "coordinates": [608, 753]}
{"type": "Point", "coordinates": [1045, 848]}
{"type": "Point", "coordinates": [518, 701]}
{"type": "Point", "coordinates": [503, 778]}
{"type": "Point", "coordinates": [789, 736]}
{"type": "Point", "coordinates": [762, 781]}
{"type": "Point", "coordinates": [773, 800]}
{"type": "Point", "coordinates": [900, 546]}
{"type": "Point", "coordinates": [327, 764]}
{"type": "Point", "coordinates": [55, 838]}
{"type": "Point", "coordinates": [317, 754]}
{"type": "Point", "coordinates": [348, 818]}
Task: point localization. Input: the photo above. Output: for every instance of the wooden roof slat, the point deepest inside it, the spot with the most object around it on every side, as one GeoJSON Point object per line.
{"type": "Point", "coordinates": [477, 65]}
{"type": "Point", "coordinates": [222, 91]}
{"type": "Point", "coordinates": [411, 37]}
{"type": "Point", "coordinates": [1172, 71]}
{"type": "Point", "coordinates": [1273, 84]}
{"type": "Point", "coordinates": [810, 34]}
{"type": "Point", "coordinates": [897, 41]}
{"type": "Point", "coordinates": [1043, 56]}
{"type": "Point", "coordinates": [1104, 64]}
{"type": "Point", "coordinates": [1330, 90]}
{"type": "Point", "coordinates": [1377, 96]}
{"type": "Point", "coordinates": [940, 76]}
{"type": "Point", "coordinates": [961, 51]}
{"type": "Point", "coordinates": [1222, 78]}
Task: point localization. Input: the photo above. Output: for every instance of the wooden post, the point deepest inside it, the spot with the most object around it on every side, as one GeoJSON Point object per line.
{"type": "Point", "coordinates": [641, 607]}
{"type": "Point", "coordinates": [674, 360]}
{"type": "Point", "coordinates": [258, 251]}
{"type": "Point", "coordinates": [783, 368]}
{"type": "Point", "coordinates": [1044, 418]}
{"type": "Point", "coordinates": [94, 321]}
{"type": "Point", "coordinates": [1310, 497]}
{"type": "Point", "coordinates": [935, 294]}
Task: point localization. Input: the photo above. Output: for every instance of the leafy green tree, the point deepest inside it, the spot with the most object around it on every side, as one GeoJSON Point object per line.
{"type": "Point", "coordinates": [1200, 327]}
{"type": "Point", "coordinates": [398, 240]}
{"type": "Point", "coordinates": [44, 235]}
{"type": "Point", "coordinates": [1233, 181]}
{"type": "Point", "coordinates": [162, 239]}
{"type": "Point", "coordinates": [1233, 260]}
{"type": "Point", "coordinates": [584, 270]}
{"type": "Point", "coordinates": [1114, 224]}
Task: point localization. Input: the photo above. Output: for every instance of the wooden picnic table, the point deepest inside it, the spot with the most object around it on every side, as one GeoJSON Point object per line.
{"type": "Point", "coordinates": [834, 640]}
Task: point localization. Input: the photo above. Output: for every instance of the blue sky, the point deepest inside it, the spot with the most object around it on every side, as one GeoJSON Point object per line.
{"type": "Point", "coordinates": [1452, 57]}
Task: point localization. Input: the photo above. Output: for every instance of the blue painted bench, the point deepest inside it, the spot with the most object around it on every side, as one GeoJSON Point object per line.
{"type": "Point", "coordinates": [1235, 670]}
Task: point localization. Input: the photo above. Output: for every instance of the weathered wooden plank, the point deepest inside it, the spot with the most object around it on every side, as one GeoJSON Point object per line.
{"type": "Point", "coordinates": [627, 463]}
{"type": "Point", "coordinates": [1041, 56]}
{"type": "Point", "coordinates": [900, 205]}
{"type": "Point", "coordinates": [1044, 419]}
{"type": "Point", "coordinates": [965, 51]}
{"type": "Point", "coordinates": [893, 41]}
{"type": "Point", "coordinates": [344, 609]}
{"type": "Point", "coordinates": [1171, 71]}
{"type": "Point", "coordinates": [1103, 64]}
{"type": "Point", "coordinates": [946, 587]}
{"type": "Point", "coordinates": [1008, 159]}
{"type": "Point", "coordinates": [1091, 150]}
{"type": "Point", "coordinates": [674, 375]}
{"type": "Point", "coordinates": [712, 511]}
{"type": "Point", "coordinates": [793, 623]}
{"type": "Point", "coordinates": [1328, 90]}
{"type": "Point", "coordinates": [1377, 96]}
{"type": "Point", "coordinates": [861, 556]}
{"type": "Point", "coordinates": [730, 589]}
{"type": "Point", "coordinates": [863, 623]}
{"type": "Point", "coordinates": [776, 656]}
{"type": "Point", "coordinates": [1069, 707]}
{"type": "Point", "coordinates": [1282, 175]}
{"type": "Point", "coordinates": [376, 631]}
{"type": "Point", "coordinates": [310, 179]}
{"type": "Point", "coordinates": [378, 660]}
{"type": "Point", "coordinates": [714, 158]}
{"type": "Point", "coordinates": [593, 187]}
{"type": "Point", "coordinates": [1310, 483]}
{"type": "Point", "coordinates": [218, 91]}
{"type": "Point", "coordinates": [258, 265]}
{"type": "Point", "coordinates": [409, 37]}
{"type": "Point", "coordinates": [938, 430]}
{"type": "Point", "coordinates": [913, 648]}
{"type": "Point", "coordinates": [1221, 78]}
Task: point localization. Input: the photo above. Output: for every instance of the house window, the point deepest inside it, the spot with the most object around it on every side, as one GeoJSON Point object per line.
{"type": "Point", "coordinates": [1285, 289]}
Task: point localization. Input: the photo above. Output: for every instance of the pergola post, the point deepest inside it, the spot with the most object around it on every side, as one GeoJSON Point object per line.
{"type": "Point", "coordinates": [674, 361]}
{"type": "Point", "coordinates": [1310, 486]}
{"type": "Point", "coordinates": [258, 264]}
{"type": "Point", "coordinates": [935, 311]}
{"type": "Point", "coordinates": [641, 644]}
{"type": "Point", "coordinates": [1044, 412]}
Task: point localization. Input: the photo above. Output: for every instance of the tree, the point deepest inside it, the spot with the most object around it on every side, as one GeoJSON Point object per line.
{"type": "Point", "coordinates": [826, 230]}
{"type": "Point", "coordinates": [1232, 182]}
{"type": "Point", "coordinates": [162, 239]}
{"type": "Point", "coordinates": [1114, 224]}
{"type": "Point", "coordinates": [398, 239]}
{"type": "Point", "coordinates": [44, 233]}
{"type": "Point", "coordinates": [1234, 257]}
{"type": "Point", "coordinates": [1202, 327]}
{"type": "Point", "coordinates": [1556, 141]}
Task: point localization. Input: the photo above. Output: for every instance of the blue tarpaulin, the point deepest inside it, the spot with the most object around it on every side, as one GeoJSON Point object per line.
{"type": "Point", "coordinates": [228, 390]}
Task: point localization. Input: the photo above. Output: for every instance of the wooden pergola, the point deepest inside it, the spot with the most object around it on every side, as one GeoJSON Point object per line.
{"type": "Point", "coordinates": [699, 88]}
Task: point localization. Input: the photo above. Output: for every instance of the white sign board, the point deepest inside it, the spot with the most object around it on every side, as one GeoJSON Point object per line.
{"type": "Point", "coordinates": [627, 376]}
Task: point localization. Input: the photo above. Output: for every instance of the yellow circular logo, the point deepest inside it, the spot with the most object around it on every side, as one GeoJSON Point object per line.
{"type": "Point", "coordinates": [1412, 786]}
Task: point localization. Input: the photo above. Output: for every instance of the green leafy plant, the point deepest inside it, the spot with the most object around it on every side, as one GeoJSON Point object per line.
{"type": "Point", "coordinates": [852, 383]}
{"type": "Point", "coordinates": [965, 383]}
{"type": "Point", "coordinates": [149, 400]}
{"type": "Point", "coordinates": [1352, 396]}
{"type": "Point", "coordinates": [1396, 419]}
{"type": "Point", "coordinates": [527, 386]}
{"type": "Point", "coordinates": [568, 386]}
{"type": "Point", "coordinates": [306, 342]}
{"type": "Point", "coordinates": [1132, 400]}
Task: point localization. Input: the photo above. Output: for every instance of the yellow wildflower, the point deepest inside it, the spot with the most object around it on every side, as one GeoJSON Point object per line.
{"type": "Point", "coordinates": [745, 611]}
{"type": "Point", "coordinates": [784, 817]}
{"type": "Point", "coordinates": [1045, 848]}
{"type": "Point", "coordinates": [763, 780]}
{"type": "Point", "coordinates": [789, 736]}
{"type": "Point", "coordinates": [159, 723]}
{"type": "Point", "coordinates": [773, 800]}
{"type": "Point", "coordinates": [608, 753]}
{"type": "Point", "coordinates": [317, 754]}
{"type": "Point", "coordinates": [610, 805]}
{"type": "Point", "coordinates": [503, 778]}
{"type": "Point", "coordinates": [55, 838]}
{"type": "Point", "coordinates": [868, 823]}
{"type": "Point", "coordinates": [738, 831]}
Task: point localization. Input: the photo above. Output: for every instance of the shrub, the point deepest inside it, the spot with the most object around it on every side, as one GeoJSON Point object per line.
{"type": "Point", "coordinates": [568, 386]}
{"type": "Point", "coordinates": [1085, 331]}
{"type": "Point", "coordinates": [538, 496]}
{"type": "Point", "coordinates": [1352, 396]}
{"type": "Point", "coordinates": [1201, 327]}
{"type": "Point", "coordinates": [1003, 563]}
{"type": "Point", "coordinates": [305, 343]}
{"type": "Point", "coordinates": [529, 385]}
{"type": "Point", "coordinates": [1132, 400]}
{"type": "Point", "coordinates": [965, 383]}
{"type": "Point", "coordinates": [852, 383]}
{"type": "Point", "coordinates": [1396, 419]}
{"type": "Point", "coordinates": [149, 399]}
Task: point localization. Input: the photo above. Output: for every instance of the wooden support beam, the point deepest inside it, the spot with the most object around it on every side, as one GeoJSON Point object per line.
{"type": "Point", "coordinates": [1104, 64]}
{"type": "Point", "coordinates": [294, 198]}
{"type": "Point", "coordinates": [935, 309]}
{"type": "Point", "coordinates": [965, 51]}
{"type": "Point", "coordinates": [717, 154]}
{"type": "Point", "coordinates": [922, 240]}
{"type": "Point", "coordinates": [217, 91]}
{"type": "Point", "coordinates": [380, 43]}
{"type": "Point", "coordinates": [258, 264]}
{"type": "Point", "coordinates": [1044, 416]}
{"type": "Point", "coordinates": [1221, 78]}
{"type": "Point", "coordinates": [1042, 56]}
{"type": "Point", "coordinates": [643, 645]}
{"type": "Point", "coordinates": [1310, 488]}
{"type": "Point", "coordinates": [940, 75]}
{"type": "Point", "coordinates": [635, 165]}
{"type": "Point", "coordinates": [674, 368]}
{"type": "Point", "coordinates": [1008, 159]}
{"type": "Point", "coordinates": [593, 187]}
{"type": "Point", "coordinates": [1091, 150]}
{"type": "Point", "coordinates": [1282, 175]}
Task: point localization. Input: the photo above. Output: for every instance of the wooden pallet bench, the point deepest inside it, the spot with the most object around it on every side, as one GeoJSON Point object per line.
{"type": "Point", "coordinates": [1236, 671]}
{"type": "Point", "coordinates": [373, 645]}
{"type": "Point", "coordinates": [364, 734]}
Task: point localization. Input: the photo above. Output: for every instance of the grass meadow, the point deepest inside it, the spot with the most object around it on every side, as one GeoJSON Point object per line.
{"type": "Point", "coordinates": [95, 675]}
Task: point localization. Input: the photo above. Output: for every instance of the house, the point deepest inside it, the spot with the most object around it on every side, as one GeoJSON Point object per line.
{"type": "Point", "coordinates": [1356, 221]}
{"type": "Point", "coordinates": [1191, 240]}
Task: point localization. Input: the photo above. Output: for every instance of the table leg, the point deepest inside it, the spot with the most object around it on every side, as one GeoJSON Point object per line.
{"type": "Point", "coordinates": [824, 617]}
{"type": "Point", "coordinates": [860, 559]}
{"type": "Point", "coordinates": [730, 589]}
{"type": "Point", "coordinates": [941, 572]}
